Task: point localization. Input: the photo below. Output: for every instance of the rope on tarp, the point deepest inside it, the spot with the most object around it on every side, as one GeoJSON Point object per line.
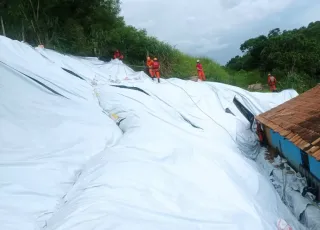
{"type": "Point", "coordinates": [205, 112]}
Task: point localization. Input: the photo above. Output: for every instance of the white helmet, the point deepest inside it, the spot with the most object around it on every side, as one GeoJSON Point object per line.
{"type": "Point", "coordinates": [198, 60]}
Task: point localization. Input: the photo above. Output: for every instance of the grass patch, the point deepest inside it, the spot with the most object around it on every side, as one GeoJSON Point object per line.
{"type": "Point", "coordinates": [299, 82]}
{"type": "Point", "coordinates": [185, 67]}
{"type": "Point", "coordinates": [243, 78]}
{"type": "Point", "coordinates": [177, 64]}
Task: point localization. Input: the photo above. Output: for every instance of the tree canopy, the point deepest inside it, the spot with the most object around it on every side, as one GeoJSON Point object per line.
{"type": "Point", "coordinates": [80, 27]}
{"type": "Point", "coordinates": [296, 51]}
{"type": "Point", "coordinates": [95, 28]}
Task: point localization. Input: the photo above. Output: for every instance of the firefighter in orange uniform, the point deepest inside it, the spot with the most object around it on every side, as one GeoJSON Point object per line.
{"type": "Point", "coordinates": [149, 65]}
{"type": "Point", "coordinates": [156, 69]}
{"type": "Point", "coordinates": [117, 55]}
{"type": "Point", "coordinates": [201, 75]}
{"type": "Point", "coordinates": [272, 81]}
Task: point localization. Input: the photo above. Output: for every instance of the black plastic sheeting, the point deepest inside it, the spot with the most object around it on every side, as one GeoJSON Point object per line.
{"type": "Point", "coordinates": [227, 110]}
{"type": "Point", "coordinates": [73, 73]}
{"type": "Point", "coordinates": [193, 125]}
{"type": "Point", "coordinates": [106, 58]}
{"type": "Point", "coordinates": [118, 123]}
{"type": "Point", "coordinates": [133, 88]}
{"type": "Point", "coordinates": [47, 87]}
{"type": "Point", "coordinates": [245, 112]}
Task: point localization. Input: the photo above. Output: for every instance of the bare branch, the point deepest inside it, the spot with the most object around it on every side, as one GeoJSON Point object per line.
{"type": "Point", "coordinates": [39, 40]}
{"type": "Point", "coordinates": [33, 10]}
{"type": "Point", "coordinates": [2, 25]}
{"type": "Point", "coordinates": [23, 38]}
{"type": "Point", "coordinates": [38, 8]}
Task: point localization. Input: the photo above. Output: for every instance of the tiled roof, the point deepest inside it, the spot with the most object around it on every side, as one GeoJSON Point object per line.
{"type": "Point", "coordinates": [298, 120]}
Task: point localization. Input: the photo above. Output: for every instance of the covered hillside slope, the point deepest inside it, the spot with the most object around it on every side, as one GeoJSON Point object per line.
{"type": "Point", "coordinates": [79, 152]}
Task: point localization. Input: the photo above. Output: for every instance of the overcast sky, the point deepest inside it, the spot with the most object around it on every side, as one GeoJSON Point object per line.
{"type": "Point", "coordinates": [216, 28]}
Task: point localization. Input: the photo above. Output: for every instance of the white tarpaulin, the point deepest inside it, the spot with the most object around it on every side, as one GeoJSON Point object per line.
{"type": "Point", "coordinates": [93, 145]}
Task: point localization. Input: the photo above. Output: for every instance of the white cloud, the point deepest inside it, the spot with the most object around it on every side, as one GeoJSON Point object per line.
{"type": "Point", "coordinates": [198, 26]}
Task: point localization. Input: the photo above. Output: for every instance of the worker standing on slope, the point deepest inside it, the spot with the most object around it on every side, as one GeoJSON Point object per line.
{"type": "Point", "coordinates": [156, 69]}
{"type": "Point", "coordinates": [149, 66]}
{"type": "Point", "coordinates": [272, 81]}
{"type": "Point", "coordinates": [117, 55]}
{"type": "Point", "coordinates": [201, 75]}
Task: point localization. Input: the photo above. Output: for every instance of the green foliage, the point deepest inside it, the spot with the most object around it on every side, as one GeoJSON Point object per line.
{"type": "Point", "coordinates": [185, 66]}
{"type": "Point", "coordinates": [296, 52]}
{"type": "Point", "coordinates": [299, 82]}
{"type": "Point", "coordinates": [244, 78]}
{"type": "Point", "coordinates": [94, 28]}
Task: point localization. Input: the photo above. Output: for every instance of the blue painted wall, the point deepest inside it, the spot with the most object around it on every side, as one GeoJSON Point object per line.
{"type": "Point", "coordinates": [293, 154]}
{"type": "Point", "coordinates": [289, 150]}
{"type": "Point", "coordinates": [276, 139]}
{"type": "Point", "coordinates": [314, 166]}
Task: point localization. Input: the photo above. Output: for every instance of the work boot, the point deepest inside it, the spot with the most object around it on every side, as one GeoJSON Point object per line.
{"type": "Point", "coordinates": [158, 80]}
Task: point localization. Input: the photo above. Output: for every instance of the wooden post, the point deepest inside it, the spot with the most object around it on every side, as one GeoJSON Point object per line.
{"type": "Point", "coordinates": [2, 25]}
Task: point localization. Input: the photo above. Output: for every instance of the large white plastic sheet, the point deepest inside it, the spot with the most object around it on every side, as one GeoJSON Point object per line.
{"type": "Point", "coordinates": [80, 153]}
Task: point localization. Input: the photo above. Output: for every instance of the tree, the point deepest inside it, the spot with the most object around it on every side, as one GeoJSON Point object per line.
{"type": "Point", "coordinates": [295, 50]}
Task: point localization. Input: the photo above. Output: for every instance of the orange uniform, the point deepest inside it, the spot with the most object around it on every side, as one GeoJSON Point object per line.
{"type": "Point", "coordinates": [201, 75]}
{"type": "Point", "coordinates": [272, 81]}
{"type": "Point", "coordinates": [149, 65]}
{"type": "Point", "coordinates": [156, 69]}
{"type": "Point", "coordinates": [117, 55]}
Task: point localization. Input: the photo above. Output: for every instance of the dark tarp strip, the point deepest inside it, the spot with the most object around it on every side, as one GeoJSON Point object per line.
{"type": "Point", "coordinates": [73, 73]}
{"type": "Point", "coordinates": [227, 110]}
{"type": "Point", "coordinates": [118, 123]}
{"type": "Point", "coordinates": [40, 83]}
{"type": "Point", "coordinates": [246, 113]}
{"type": "Point", "coordinates": [105, 58]}
{"type": "Point", "coordinates": [187, 120]}
{"type": "Point", "coordinates": [47, 87]}
{"type": "Point", "coordinates": [129, 87]}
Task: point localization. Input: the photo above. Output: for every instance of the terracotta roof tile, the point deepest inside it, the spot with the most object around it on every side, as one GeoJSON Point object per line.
{"type": "Point", "coordinates": [298, 120]}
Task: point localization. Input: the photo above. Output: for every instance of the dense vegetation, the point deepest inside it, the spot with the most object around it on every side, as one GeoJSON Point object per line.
{"type": "Point", "coordinates": [293, 56]}
{"type": "Point", "coordinates": [94, 27]}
